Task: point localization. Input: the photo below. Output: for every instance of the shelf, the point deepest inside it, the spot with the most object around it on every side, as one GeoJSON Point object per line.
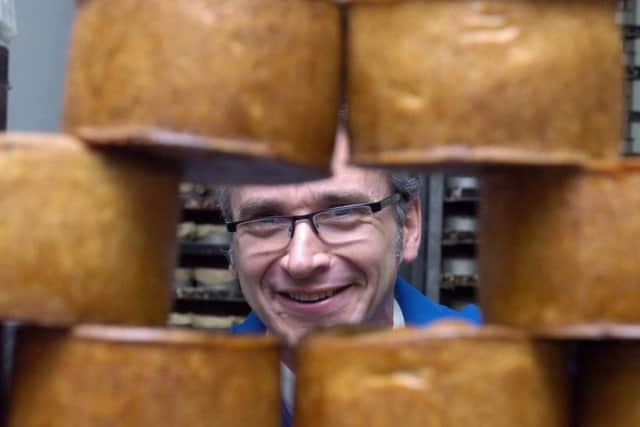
{"type": "Point", "coordinates": [195, 247]}
{"type": "Point", "coordinates": [631, 32]}
{"type": "Point", "coordinates": [458, 298]}
{"type": "Point", "coordinates": [457, 238]}
{"type": "Point", "coordinates": [195, 261]}
{"type": "Point", "coordinates": [206, 293]}
{"type": "Point", "coordinates": [453, 281]}
{"type": "Point", "coordinates": [633, 72]}
{"type": "Point", "coordinates": [458, 193]}
{"type": "Point", "coordinates": [633, 116]}
{"type": "Point", "coordinates": [213, 307]}
{"type": "Point", "coordinates": [461, 199]}
{"type": "Point", "coordinates": [471, 241]}
{"type": "Point", "coordinates": [203, 321]}
{"type": "Point", "coordinates": [222, 299]}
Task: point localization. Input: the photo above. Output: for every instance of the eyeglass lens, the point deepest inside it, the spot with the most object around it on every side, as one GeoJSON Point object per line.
{"type": "Point", "coordinates": [337, 226]}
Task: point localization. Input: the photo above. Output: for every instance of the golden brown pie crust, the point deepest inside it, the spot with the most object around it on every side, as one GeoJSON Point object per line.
{"type": "Point", "coordinates": [451, 375]}
{"type": "Point", "coordinates": [85, 235]}
{"type": "Point", "coordinates": [498, 81]}
{"type": "Point", "coordinates": [560, 247]}
{"type": "Point", "coordinates": [131, 377]}
{"type": "Point", "coordinates": [253, 78]}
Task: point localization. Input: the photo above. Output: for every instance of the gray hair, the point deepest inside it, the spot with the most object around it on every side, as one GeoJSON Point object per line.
{"type": "Point", "coordinates": [407, 184]}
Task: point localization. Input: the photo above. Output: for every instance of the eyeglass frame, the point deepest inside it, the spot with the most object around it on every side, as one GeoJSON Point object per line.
{"type": "Point", "coordinates": [375, 207]}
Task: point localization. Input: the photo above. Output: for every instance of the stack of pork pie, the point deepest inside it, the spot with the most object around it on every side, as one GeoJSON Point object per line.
{"type": "Point", "coordinates": [525, 92]}
{"type": "Point", "coordinates": [215, 91]}
{"type": "Point", "coordinates": [528, 95]}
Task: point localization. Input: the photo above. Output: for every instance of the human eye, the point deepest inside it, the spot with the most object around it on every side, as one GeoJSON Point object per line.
{"type": "Point", "coordinates": [344, 212]}
{"type": "Point", "coordinates": [346, 215]}
{"type": "Point", "coordinates": [264, 226]}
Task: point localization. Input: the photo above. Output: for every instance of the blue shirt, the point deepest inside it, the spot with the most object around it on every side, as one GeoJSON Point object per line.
{"type": "Point", "coordinates": [417, 309]}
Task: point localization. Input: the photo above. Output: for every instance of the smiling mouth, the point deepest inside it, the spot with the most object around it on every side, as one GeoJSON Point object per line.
{"type": "Point", "coordinates": [308, 298]}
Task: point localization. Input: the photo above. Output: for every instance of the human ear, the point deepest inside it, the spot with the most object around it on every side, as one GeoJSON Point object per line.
{"type": "Point", "coordinates": [412, 230]}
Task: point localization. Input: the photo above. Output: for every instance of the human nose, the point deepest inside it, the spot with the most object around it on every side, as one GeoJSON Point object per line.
{"type": "Point", "coordinates": [306, 252]}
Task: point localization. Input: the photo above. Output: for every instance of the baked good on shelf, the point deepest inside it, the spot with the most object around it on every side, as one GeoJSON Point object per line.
{"type": "Point", "coordinates": [252, 83]}
{"type": "Point", "coordinates": [85, 235]}
{"type": "Point", "coordinates": [560, 247]}
{"type": "Point", "coordinates": [445, 81]}
{"type": "Point", "coordinates": [212, 276]}
{"type": "Point", "coordinates": [131, 377]}
{"type": "Point", "coordinates": [449, 375]}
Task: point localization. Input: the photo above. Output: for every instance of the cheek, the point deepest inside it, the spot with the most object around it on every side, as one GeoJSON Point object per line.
{"type": "Point", "coordinates": [249, 271]}
{"type": "Point", "coordinates": [376, 258]}
{"type": "Point", "coordinates": [385, 244]}
{"type": "Point", "coordinates": [381, 256]}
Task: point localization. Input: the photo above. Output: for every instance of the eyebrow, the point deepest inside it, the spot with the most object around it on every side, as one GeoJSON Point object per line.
{"type": "Point", "coordinates": [344, 197]}
{"type": "Point", "coordinates": [254, 207]}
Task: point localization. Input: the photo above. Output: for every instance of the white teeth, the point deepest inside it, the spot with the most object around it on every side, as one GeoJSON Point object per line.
{"type": "Point", "coordinates": [310, 297]}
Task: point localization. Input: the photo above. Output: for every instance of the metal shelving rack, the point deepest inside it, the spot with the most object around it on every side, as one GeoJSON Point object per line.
{"type": "Point", "coordinates": [631, 34]}
{"type": "Point", "coordinates": [445, 267]}
{"type": "Point", "coordinates": [204, 299]}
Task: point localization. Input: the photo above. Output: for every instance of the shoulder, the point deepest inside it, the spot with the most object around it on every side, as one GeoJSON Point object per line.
{"type": "Point", "coordinates": [419, 310]}
{"type": "Point", "coordinates": [251, 325]}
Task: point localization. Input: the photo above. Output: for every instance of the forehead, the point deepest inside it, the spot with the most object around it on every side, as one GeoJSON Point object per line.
{"type": "Point", "coordinates": [347, 182]}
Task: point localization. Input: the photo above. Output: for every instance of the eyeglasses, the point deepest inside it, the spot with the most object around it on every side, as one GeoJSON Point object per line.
{"type": "Point", "coordinates": [339, 225]}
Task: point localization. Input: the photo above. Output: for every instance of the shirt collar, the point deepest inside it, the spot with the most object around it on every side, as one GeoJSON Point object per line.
{"type": "Point", "coordinates": [398, 316]}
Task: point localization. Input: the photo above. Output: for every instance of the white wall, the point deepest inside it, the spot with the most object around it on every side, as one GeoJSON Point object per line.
{"type": "Point", "coordinates": [37, 63]}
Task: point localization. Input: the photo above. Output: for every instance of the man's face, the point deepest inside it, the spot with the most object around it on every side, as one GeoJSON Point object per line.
{"type": "Point", "coordinates": [353, 281]}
